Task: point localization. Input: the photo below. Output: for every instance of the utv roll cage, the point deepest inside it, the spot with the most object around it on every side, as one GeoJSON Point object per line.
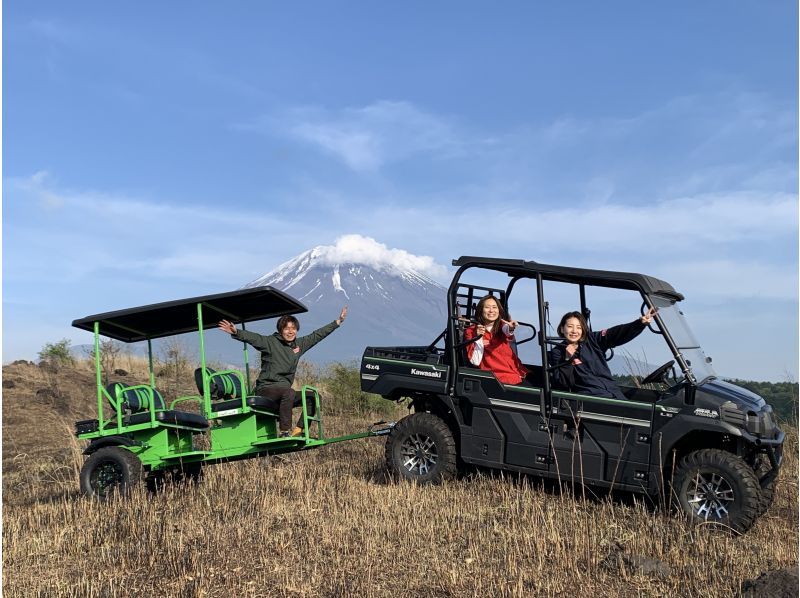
{"type": "Point", "coordinates": [524, 269]}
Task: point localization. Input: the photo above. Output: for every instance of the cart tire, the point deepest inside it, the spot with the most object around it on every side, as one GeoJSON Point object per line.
{"type": "Point", "coordinates": [421, 448]}
{"type": "Point", "coordinates": [716, 486]}
{"type": "Point", "coordinates": [110, 470]}
{"type": "Point", "coordinates": [188, 473]}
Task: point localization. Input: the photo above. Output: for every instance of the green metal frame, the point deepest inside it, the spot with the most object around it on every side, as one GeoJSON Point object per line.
{"type": "Point", "coordinates": [238, 433]}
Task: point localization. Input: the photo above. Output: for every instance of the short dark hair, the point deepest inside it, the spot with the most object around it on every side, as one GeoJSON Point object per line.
{"type": "Point", "coordinates": [284, 321]}
{"type": "Point", "coordinates": [479, 309]}
{"type": "Point", "coordinates": [578, 316]}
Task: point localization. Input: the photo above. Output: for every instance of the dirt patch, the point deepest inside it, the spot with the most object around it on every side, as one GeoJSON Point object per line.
{"type": "Point", "coordinates": [782, 583]}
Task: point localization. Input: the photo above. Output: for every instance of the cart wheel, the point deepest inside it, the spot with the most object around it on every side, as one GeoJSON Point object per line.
{"type": "Point", "coordinates": [716, 486]}
{"type": "Point", "coordinates": [110, 470]}
{"type": "Point", "coordinates": [187, 473]}
{"type": "Point", "coordinates": [421, 448]}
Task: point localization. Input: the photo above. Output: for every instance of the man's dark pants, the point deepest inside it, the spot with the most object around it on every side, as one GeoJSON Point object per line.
{"type": "Point", "coordinates": [285, 398]}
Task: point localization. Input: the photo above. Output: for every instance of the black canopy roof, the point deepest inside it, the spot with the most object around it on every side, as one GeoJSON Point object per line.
{"type": "Point", "coordinates": [176, 317]}
{"type": "Point", "coordinates": [603, 278]}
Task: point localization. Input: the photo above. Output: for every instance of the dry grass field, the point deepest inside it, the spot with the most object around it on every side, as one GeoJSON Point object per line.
{"type": "Point", "coordinates": [330, 523]}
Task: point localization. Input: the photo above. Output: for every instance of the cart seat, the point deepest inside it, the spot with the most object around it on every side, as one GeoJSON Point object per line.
{"type": "Point", "coordinates": [256, 402]}
{"type": "Point", "coordinates": [135, 403]}
{"type": "Point", "coordinates": [226, 392]}
{"type": "Point", "coordinates": [133, 399]}
{"type": "Point", "coordinates": [222, 386]}
{"type": "Point", "coordinates": [180, 418]}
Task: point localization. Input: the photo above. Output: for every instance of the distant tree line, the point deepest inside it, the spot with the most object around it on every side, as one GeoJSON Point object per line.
{"type": "Point", "coordinates": [781, 395]}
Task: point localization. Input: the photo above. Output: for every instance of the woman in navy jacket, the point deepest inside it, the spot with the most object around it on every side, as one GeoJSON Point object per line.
{"type": "Point", "coordinates": [580, 363]}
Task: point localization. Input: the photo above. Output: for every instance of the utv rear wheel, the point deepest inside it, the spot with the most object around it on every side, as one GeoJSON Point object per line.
{"type": "Point", "coordinates": [421, 448]}
{"type": "Point", "coordinates": [712, 485]}
{"type": "Point", "coordinates": [110, 470]}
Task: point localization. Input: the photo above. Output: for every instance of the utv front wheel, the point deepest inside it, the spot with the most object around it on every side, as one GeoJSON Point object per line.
{"type": "Point", "coordinates": [768, 490]}
{"type": "Point", "coordinates": [110, 470]}
{"type": "Point", "coordinates": [712, 485]}
{"type": "Point", "coordinates": [421, 448]}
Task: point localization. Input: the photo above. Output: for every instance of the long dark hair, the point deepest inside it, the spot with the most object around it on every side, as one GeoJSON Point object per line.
{"type": "Point", "coordinates": [578, 316]}
{"type": "Point", "coordinates": [479, 310]}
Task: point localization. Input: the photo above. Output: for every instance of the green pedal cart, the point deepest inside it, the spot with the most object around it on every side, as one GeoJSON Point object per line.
{"type": "Point", "coordinates": [138, 437]}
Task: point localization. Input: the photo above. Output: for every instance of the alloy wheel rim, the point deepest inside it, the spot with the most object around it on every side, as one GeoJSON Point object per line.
{"type": "Point", "coordinates": [710, 495]}
{"type": "Point", "coordinates": [419, 454]}
{"type": "Point", "coordinates": [106, 476]}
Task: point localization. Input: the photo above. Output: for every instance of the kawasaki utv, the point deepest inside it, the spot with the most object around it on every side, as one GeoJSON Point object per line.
{"type": "Point", "coordinates": [138, 435]}
{"type": "Point", "coordinates": [711, 447]}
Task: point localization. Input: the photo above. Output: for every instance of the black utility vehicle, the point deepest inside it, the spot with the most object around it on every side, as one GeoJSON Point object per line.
{"type": "Point", "coordinates": [682, 433]}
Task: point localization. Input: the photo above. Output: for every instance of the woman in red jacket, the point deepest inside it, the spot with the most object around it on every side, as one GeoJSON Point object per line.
{"type": "Point", "coordinates": [492, 351]}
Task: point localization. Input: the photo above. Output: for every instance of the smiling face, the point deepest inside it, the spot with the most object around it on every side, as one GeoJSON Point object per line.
{"type": "Point", "coordinates": [289, 332]}
{"type": "Point", "coordinates": [572, 330]}
{"type": "Point", "coordinates": [490, 311]}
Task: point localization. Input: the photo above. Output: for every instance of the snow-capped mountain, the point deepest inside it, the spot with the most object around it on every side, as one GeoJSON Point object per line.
{"type": "Point", "coordinates": [391, 296]}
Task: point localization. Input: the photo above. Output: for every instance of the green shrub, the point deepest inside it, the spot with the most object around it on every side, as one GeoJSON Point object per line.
{"type": "Point", "coordinates": [342, 382]}
{"type": "Point", "coordinates": [57, 354]}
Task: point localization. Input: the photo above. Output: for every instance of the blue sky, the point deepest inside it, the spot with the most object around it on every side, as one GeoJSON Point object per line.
{"type": "Point", "coordinates": [160, 150]}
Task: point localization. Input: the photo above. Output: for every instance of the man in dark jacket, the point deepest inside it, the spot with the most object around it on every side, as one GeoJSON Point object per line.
{"type": "Point", "coordinates": [580, 363]}
{"type": "Point", "coordinates": [280, 354]}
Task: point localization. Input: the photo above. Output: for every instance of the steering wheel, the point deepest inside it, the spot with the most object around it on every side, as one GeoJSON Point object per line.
{"type": "Point", "coordinates": [533, 332]}
{"type": "Point", "coordinates": [643, 309]}
{"type": "Point", "coordinates": [659, 374]}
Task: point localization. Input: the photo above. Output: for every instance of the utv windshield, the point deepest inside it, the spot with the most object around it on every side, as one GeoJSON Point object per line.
{"type": "Point", "coordinates": [685, 342]}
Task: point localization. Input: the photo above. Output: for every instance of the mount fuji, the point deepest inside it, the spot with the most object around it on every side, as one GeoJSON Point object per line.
{"type": "Point", "coordinates": [391, 296]}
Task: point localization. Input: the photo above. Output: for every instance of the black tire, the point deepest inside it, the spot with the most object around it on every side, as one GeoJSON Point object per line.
{"type": "Point", "coordinates": [716, 486]}
{"type": "Point", "coordinates": [767, 491]}
{"type": "Point", "coordinates": [421, 448]}
{"type": "Point", "coordinates": [186, 473]}
{"type": "Point", "coordinates": [110, 470]}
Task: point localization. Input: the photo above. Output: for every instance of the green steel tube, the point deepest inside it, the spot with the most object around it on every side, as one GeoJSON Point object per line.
{"type": "Point", "coordinates": [320, 431]}
{"type": "Point", "coordinates": [98, 376]}
{"type": "Point", "coordinates": [305, 411]}
{"type": "Point", "coordinates": [247, 389]}
{"type": "Point", "coordinates": [152, 381]}
{"type": "Point", "coordinates": [206, 387]}
{"type": "Point", "coordinates": [150, 362]}
{"type": "Point", "coordinates": [348, 437]}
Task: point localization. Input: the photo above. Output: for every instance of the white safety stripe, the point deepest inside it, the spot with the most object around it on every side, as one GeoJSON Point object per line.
{"type": "Point", "coordinates": [642, 423]}
{"type": "Point", "coordinates": [515, 405]}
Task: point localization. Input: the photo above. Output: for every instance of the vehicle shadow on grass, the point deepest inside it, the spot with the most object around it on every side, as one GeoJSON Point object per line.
{"type": "Point", "coordinates": [568, 489]}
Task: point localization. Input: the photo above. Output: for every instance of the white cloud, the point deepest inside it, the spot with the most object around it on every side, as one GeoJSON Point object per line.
{"type": "Point", "coordinates": [366, 138]}
{"type": "Point", "coordinates": [727, 279]}
{"type": "Point", "coordinates": [683, 226]}
{"type": "Point", "coordinates": [366, 250]}
{"type": "Point", "coordinates": [82, 233]}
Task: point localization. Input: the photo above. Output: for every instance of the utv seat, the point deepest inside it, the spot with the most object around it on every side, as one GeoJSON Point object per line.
{"type": "Point", "coordinates": [135, 403]}
{"type": "Point", "coordinates": [226, 392]}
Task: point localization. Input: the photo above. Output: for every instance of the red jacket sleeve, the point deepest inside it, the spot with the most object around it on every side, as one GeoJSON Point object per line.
{"type": "Point", "coordinates": [469, 334]}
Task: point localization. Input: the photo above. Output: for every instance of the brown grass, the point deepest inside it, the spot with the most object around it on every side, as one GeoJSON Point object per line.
{"type": "Point", "coordinates": [329, 523]}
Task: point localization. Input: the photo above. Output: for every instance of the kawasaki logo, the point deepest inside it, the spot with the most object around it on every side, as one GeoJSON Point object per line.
{"type": "Point", "coordinates": [428, 374]}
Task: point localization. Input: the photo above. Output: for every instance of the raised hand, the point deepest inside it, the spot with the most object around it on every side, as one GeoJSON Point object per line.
{"type": "Point", "coordinates": [342, 316]}
{"type": "Point", "coordinates": [648, 317]}
{"type": "Point", "coordinates": [227, 326]}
